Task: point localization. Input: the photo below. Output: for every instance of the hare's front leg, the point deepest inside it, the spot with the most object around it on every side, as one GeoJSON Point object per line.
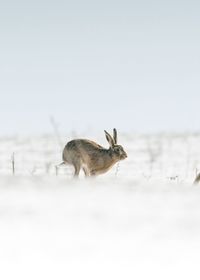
{"type": "Point", "coordinates": [93, 173]}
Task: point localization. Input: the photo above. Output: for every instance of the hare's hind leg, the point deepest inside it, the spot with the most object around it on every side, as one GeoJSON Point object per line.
{"type": "Point", "coordinates": [86, 171]}
{"type": "Point", "coordinates": [77, 168]}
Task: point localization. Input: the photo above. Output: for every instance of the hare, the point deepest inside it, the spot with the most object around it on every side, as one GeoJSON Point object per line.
{"type": "Point", "coordinates": [91, 157]}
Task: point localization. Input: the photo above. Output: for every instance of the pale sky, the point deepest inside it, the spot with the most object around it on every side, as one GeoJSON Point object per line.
{"type": "Point", "coordinates": [134, 65]}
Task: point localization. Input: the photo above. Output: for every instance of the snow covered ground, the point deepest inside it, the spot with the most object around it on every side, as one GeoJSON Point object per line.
{"type": "Point", "coordinates": [139, 221]}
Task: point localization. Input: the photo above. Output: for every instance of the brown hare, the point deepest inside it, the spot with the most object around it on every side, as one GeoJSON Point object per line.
{"type": "Point", "coordinates": [91, 157]}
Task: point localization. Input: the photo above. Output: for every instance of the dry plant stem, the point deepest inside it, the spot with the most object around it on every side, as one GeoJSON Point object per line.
{"type": "Point", "coordinates": [13, 163]}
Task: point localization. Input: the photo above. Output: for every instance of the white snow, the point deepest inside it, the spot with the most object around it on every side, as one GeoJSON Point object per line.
{"type": "Point", "coordinates": [139, 221]}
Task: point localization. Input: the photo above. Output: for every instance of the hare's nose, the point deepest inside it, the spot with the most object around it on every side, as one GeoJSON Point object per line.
{"type": "Point", "coordinates": [125, 155]}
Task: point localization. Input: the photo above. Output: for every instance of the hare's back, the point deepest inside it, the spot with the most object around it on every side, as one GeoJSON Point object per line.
{"type": "Point", "coordinates": [82, 144]}
{"type": "Point", "coordinates": [80, 150]}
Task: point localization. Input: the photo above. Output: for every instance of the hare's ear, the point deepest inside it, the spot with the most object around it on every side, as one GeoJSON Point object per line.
{"type": "Point", "coordinates": [109, 139]}
{"type": "Point", "coordinates": [115, 135]}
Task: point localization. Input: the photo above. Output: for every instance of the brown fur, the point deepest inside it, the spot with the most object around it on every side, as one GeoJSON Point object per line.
{"type": "Point", "coordinates": [91, 157]}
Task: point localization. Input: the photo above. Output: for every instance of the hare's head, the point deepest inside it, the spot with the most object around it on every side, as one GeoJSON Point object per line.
{"type": "Point", "coordinates": [117, 150]}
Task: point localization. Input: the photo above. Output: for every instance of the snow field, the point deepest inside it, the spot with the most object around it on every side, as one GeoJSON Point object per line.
{"type": "Point", "coordinates": [139, 221]}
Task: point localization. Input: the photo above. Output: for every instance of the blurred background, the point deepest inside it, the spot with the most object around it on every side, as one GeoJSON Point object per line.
{"type": "Point", "coordinates": [134, 65]}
